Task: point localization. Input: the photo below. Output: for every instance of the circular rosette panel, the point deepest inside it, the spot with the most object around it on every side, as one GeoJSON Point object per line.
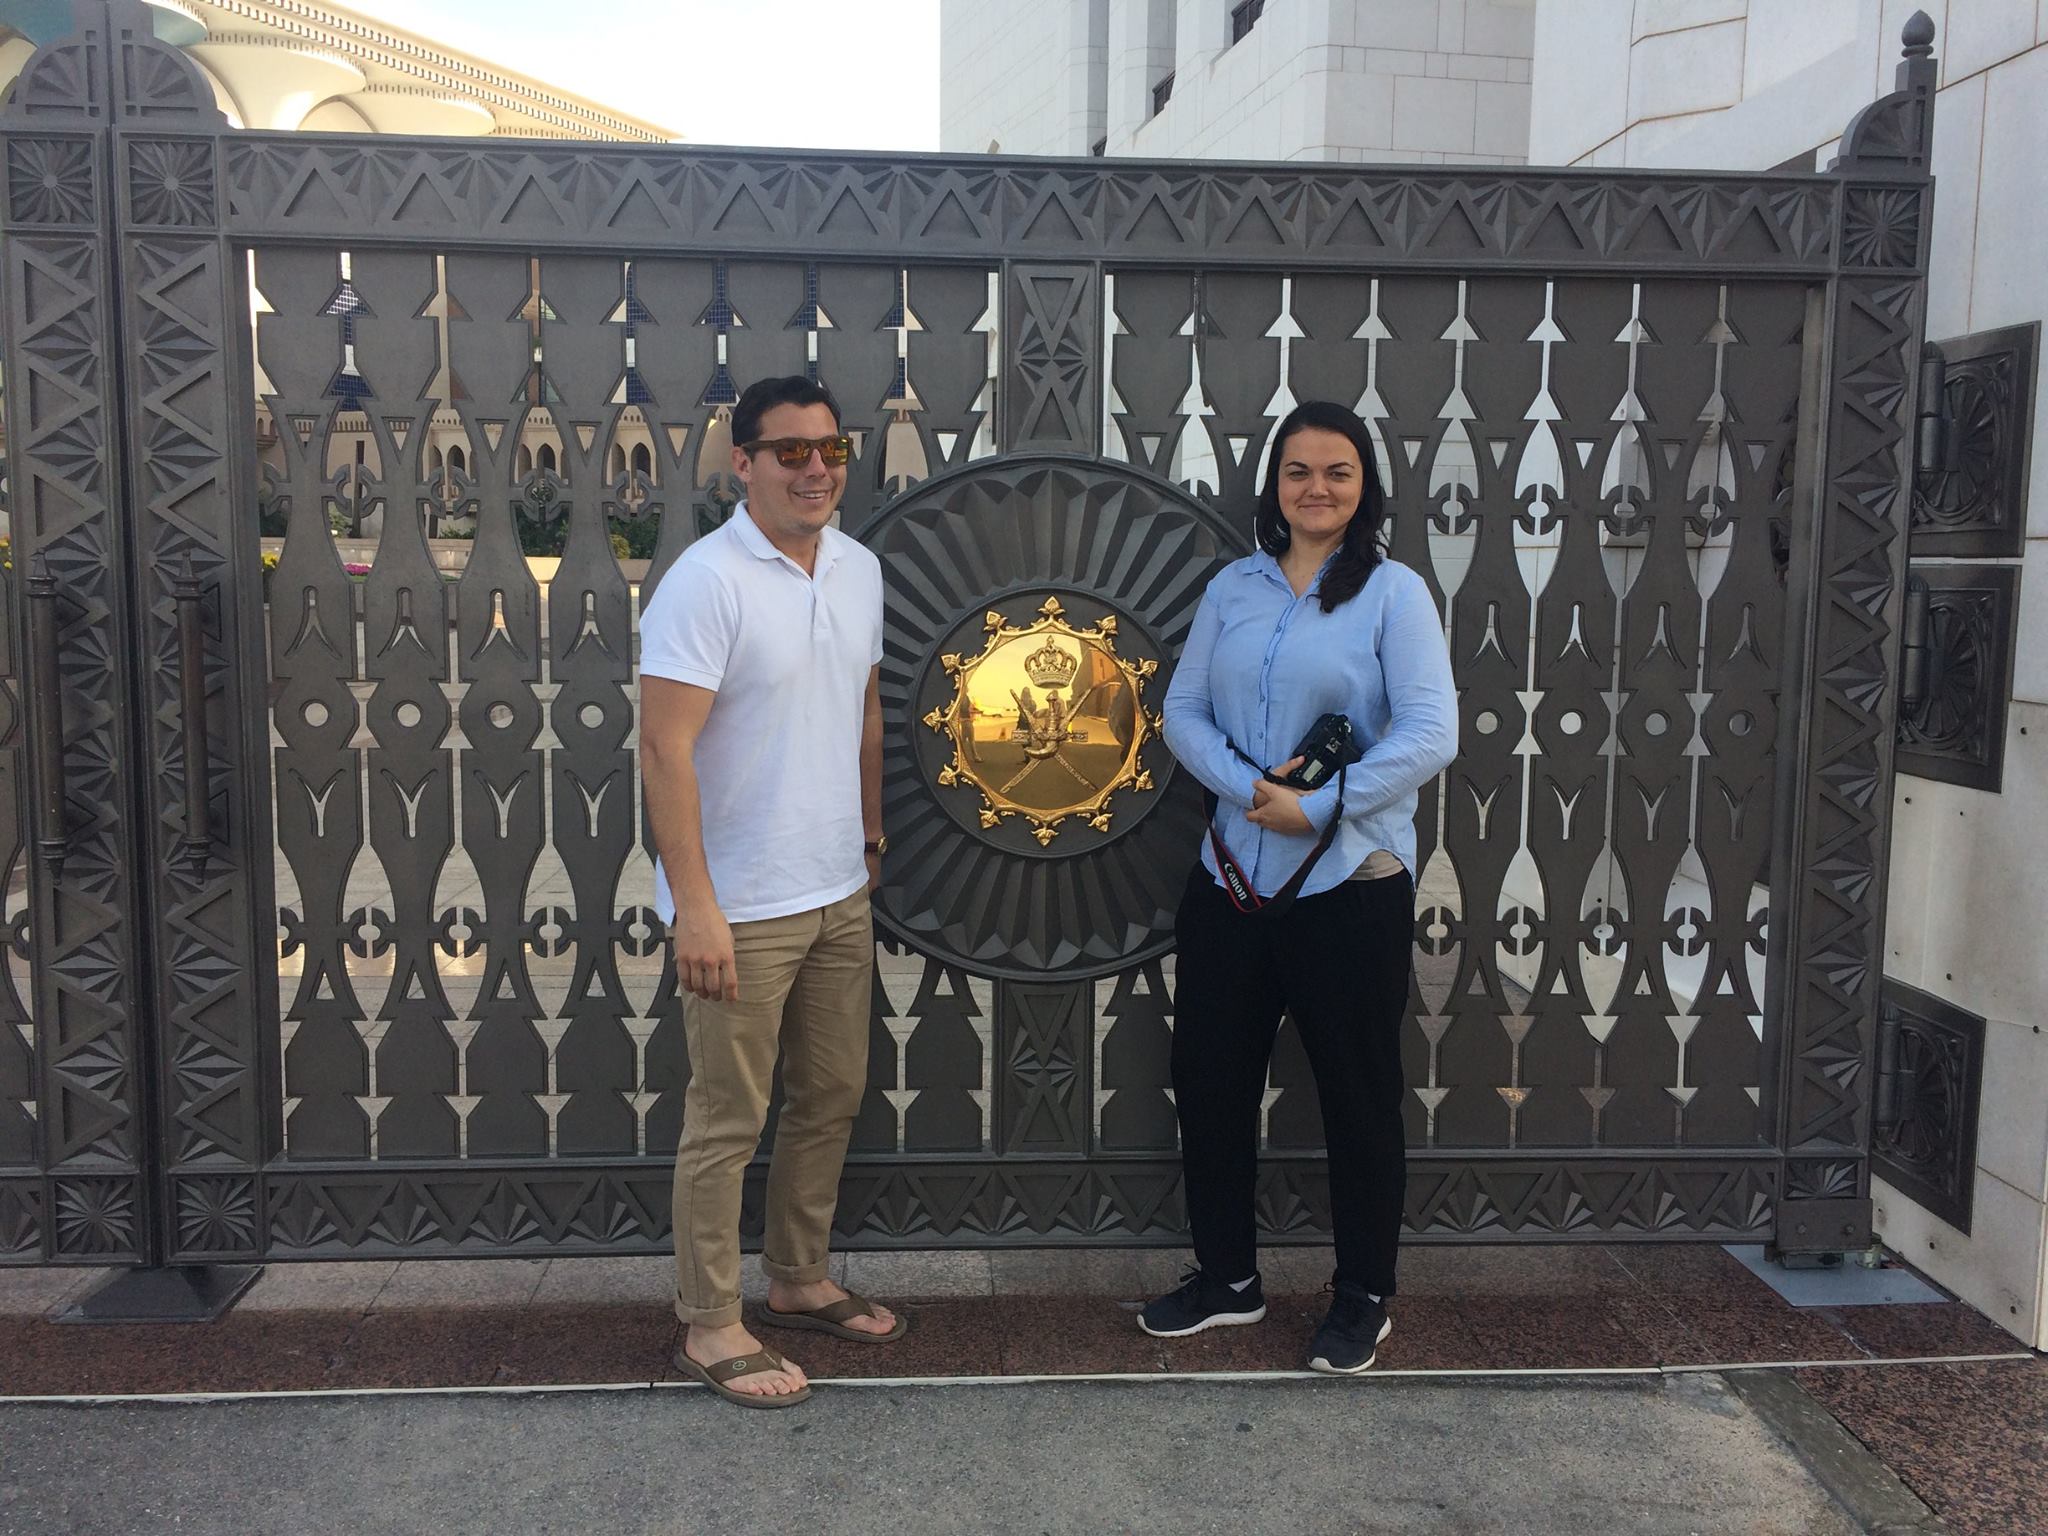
{"type": "Point", "coordinates": [1034, 607]}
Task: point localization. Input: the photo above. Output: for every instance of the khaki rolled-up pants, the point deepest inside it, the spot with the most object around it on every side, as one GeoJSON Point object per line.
{"type": "Point", "coordinates": [805, 992]}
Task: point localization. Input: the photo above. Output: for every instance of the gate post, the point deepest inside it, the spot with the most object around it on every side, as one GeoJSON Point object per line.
{"type": "Point", "coordinates": [148, 535]}
{"type": "Point", "coordinates": [197, 580]}
{"type": "Point", "coordinates": [1851, 497]}
{"type": "Point", "coordinates": [88, 1200]}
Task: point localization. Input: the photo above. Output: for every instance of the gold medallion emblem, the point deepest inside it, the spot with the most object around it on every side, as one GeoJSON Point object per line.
{"type": "Point", "coordinates": [1047, 722]}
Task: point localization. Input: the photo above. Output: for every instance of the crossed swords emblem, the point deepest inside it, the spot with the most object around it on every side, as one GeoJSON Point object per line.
{"type": "Point", "coordinates": [1045, 729]}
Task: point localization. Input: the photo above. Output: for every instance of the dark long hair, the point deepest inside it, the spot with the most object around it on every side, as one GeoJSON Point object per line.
{"type": "Point", "coordinates": [1360, 550]}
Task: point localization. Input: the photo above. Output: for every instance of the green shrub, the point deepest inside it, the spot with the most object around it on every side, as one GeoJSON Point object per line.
{"type": "Point", "coordinates": [639, 535]}
{"type": "Point", "coordinates": [537, 538]}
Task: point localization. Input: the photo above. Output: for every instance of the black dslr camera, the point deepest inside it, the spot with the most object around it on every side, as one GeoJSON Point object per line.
{"type": "Point", "coordinates": [1327, 747]}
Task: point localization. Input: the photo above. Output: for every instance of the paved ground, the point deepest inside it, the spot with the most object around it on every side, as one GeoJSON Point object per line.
{"type": "Point", "coordinates": [995, 1413]}
{"type": "Point", "coordinates": [1677, 1454]}
{"type": "Point", "coordinates": [575, 1321]}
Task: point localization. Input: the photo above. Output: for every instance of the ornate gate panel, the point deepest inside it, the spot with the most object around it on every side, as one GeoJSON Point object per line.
{"type": "Point", "coordinates": [85, 1065]}
{"type": "Point", "coordinates": [128, 460]}
{"type": "Point", "coordinates": [1644, 436]}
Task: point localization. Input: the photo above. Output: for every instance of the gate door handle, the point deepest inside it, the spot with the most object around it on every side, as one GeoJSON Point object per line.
{"type": "Point", "coordinates": [46, 714]}
{"type": "Point", "coordinates": [190, 594]}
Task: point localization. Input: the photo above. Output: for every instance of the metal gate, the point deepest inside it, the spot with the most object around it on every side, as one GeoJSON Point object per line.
{"type": "Point", "coordinates": [328, 899]}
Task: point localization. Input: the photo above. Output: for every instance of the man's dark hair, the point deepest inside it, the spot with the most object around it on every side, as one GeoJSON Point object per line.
{"type": "Point", "coordinates": [763, 395]}
{"type": "Point", "coordinates": [1360, 550]}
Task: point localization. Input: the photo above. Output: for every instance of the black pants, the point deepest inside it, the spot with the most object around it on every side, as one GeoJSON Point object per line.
{"type": "Point", "coordinates": [1338, 962]}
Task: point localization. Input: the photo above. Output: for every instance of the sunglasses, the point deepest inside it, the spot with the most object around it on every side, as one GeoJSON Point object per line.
{"type": "Point", "coordinates": [795, 452]}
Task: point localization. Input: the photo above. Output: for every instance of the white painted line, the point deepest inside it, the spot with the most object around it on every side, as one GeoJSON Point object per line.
{"type": "Point", "coordinates": [530, 1390]}
{"type": "Point", "coordinates": [104, 1399]}
{"type": "Point", "coordinates": [1817, 1365]}
{"type": "Point", "coordinates": [1147, 1377]}
{"type": "Point", "coordinates": [1463, 1373]}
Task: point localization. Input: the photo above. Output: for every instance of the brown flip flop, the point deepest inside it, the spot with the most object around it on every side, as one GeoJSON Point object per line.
{"type": "Point", "coordinates": [831, 1318]}
{"type": "Point", "coordinates": [761, 1360]}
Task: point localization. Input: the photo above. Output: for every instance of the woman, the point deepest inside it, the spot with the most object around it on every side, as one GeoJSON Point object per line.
{"type": "Point", "coordinates": [1318, 916]}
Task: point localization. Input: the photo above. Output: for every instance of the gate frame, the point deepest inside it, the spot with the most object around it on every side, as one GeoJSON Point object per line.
{"type": "Point", "coordinates": [127, 206]}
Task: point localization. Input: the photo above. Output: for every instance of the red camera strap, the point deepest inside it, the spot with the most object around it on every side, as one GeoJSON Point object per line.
{"type": "Point", "coordinates": [1238, 886]}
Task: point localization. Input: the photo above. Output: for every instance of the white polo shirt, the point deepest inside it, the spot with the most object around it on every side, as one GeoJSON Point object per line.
{"type": "Point", "coordinates": [778, 759]}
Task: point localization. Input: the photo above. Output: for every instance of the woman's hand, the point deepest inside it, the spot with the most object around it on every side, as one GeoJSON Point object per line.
{"type": "Point", "coordinates": [1277, 807]}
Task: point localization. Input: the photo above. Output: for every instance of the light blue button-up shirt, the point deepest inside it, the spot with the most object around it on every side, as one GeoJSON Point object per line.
{"type": "Point", "coordinates": [1261, 665]}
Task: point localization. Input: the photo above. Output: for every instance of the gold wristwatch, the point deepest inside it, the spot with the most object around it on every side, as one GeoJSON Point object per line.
{"type": "Point", "coordinates": [876, 845]}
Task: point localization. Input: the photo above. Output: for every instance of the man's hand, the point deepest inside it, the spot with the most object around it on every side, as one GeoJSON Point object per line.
{"type": "Point", "coordinates": [1277, 807]}
{"type": "Point", "coordinates": [704, 959]}
{"type": "Point", "coordinates": [671, 716]}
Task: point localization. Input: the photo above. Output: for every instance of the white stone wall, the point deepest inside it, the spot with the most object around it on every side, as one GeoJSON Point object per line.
{"type": "Point", "coordinates": [1025, 78]}
{"type": "Point", "coordinates": [1751, 83]}
{"type": "Point", "coordinates": [1391, 81]}
{"type": "Point", "coordinates": [1969, 884]}
{"type": "Point", "coordinates": [1615, 80]}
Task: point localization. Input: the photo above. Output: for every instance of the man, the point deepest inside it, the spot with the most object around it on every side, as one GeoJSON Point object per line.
{"type": "Point", "coordinates": [761, 754]}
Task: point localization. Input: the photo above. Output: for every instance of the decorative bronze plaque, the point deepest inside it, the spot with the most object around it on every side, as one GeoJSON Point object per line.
{"type": "Point", "coordinates": [1038, 827]}
{"type": "Point", "coordinates": [1047, 722]}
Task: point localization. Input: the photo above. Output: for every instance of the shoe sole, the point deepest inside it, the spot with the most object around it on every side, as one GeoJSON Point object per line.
{"type": "Point", "coordinates": [1215, 1320]}
{"type": "Point", "coordinates": [1327, 1369]}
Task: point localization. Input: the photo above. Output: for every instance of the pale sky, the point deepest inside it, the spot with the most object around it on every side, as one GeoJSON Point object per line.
{"type": "Point", "coordinates": [824, 74]}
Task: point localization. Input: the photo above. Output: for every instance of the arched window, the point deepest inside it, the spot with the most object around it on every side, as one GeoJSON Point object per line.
{"type": "Point", "coordinates": [525, 460]}
{"type": "Point", "coordinates": [433, 461]}
{"type": "Point", "coordinates": [643, 461]}
{"type": "Point", "coordinates": [546, 457]}
{"type": "Point", "coordinates": [457, 461]}
{"type": "Point", "coordinates": [618, 459]}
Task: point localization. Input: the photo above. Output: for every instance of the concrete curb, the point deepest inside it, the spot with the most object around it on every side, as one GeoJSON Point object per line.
{"type": "Point", "coordinates": [1869, 1491]}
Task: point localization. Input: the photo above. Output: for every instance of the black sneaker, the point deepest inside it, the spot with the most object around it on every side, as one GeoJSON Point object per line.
{"type": "Point", "coordinates": [1350, 1334]}
{"type": "Point", "coordinates": [1202, 1303]}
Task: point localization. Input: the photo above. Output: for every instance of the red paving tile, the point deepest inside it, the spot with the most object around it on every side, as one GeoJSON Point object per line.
{"type": "Point", "coordinates": [1101, 1335]}
{"type": "Point", "coordinates": [1280, 1343]}
{"type": "Point", "coordinates": [1531, 1333]}
{"type": "Point", "coordinates": [1658, 1323]}
{"type": "Point", "coordinates": [1430, 1334]}
{"type": "Point", "coordinates": [1069, 1335]}
{"type": "Point", "coordinates": [958, 1337]}
{"type": "Point", "coordinates": [1931, 1328]}
{"type": "Point", "coordinates": [267, 1352]}
{"type": "Point", "coordinates": [1721, 1332]}
{"type": "Point", "coordinates": [558, 1345]}
{"type": "Point", "coordinates": [427, 1349]}
{"type": "Point", "coordinates": [1691, 1269]}
{"type": "Point", "coordinates": [1971, 1440]}
{"type": "Point", "coordinates": [1584, 1269]}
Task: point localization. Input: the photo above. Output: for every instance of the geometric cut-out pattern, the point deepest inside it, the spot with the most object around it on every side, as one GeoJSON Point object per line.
{"type": "Point", "coordinates": [1645, 981]}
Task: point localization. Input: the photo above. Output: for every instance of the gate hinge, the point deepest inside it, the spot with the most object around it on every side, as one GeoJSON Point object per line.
{"type": "Point", "coordinates": [1914, 641]}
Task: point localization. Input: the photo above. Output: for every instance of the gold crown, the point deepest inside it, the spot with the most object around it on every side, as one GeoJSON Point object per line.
{"type": "Point", "coordinates": [1051, 667]}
